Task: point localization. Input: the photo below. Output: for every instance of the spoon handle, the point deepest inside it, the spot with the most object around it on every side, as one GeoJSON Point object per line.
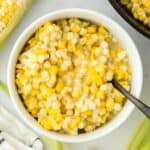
{"type": "Point", "coordinates": [139, 104]}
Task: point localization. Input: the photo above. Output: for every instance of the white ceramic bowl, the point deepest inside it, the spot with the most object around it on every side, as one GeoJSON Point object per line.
{"type": "Point", "coordinates": [126, 43]}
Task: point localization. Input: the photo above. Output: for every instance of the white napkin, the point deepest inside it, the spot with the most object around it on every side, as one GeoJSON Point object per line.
{"type": "Point", "coordinates": [14, 135]}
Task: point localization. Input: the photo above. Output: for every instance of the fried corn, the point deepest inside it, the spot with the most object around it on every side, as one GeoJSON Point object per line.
{"type": "Point", "coordinates": [63, 72]}
{"type": "Point", "coordinates": [140, 9]}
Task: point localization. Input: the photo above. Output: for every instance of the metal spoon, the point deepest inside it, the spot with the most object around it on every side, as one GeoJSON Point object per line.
{"type": "Point", "coordinates": [139, 104]}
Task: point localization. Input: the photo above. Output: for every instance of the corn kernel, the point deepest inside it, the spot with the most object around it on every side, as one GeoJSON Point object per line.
{"type": "Point", "coordinates": [91, 29]}
{"type": "Point", "coordinates": [76, 93]}
{"type": "Point", "coordinates": [102, 30]}
{"type": "Point", "coordinates": [75, 28]}
{"type": "Point", "coordinates": [59, 118]}
{"type": "Point", "coordinates": [100, 94]}
{"type": "Point", "coordinates": [40, 51]}
{"type": "Point", "coordinates": [59, 87]}
{"type": "Point", "coordinates": [45, 123]}
{"type": "Point", "coordinates": [61, 44]}
{"type": "Point", "coordinates": [46, 91]}
{"type": "Point", "coordinates": [109, 105]}
{"type": "Point", "coordinates": [88, 113]}
{"type": "Point", "coordinates": [52, 111]}
{"type": "Point", "coordinates": [147, 3]}
{"type": "Point", "coordinates": [53, 69]}
{"type": "Point", "coordinates": [33, 103]}
{"type": "Point", "coordinates": [103, 111]}
{"type": "Point", "coordinates": [86, 89]}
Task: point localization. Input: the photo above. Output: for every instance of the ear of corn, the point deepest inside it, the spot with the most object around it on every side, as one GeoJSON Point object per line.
{"type": "Point", "coordinates": [141, 137]}
{"type": "Point", "coordinates": [12, 16]}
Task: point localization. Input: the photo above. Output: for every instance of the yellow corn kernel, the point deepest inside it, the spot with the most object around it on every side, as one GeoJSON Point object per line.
{"type": "Point", "coordinates": [74, 123]}
{"type": "Point", "coordinates": [103, 104]}
{"type": "Point", "coordinates": [45, 123]}
{"type": "Point", "coordinates": [62, 44]}
{"type": "Point", "coordinates": [33, 103]}
{"type": "Point", "coordinates": [95, 77]}
{"type": "Point", "coordinates": [123, 83]}
{"type": "Point", "coordinates": [109, 105]}
{"type": "Point", "coordinates": [86, 89]}
{"type": "Point", "coordinates": [78, 119]}
{"type": "Point", "coordinates": [52, 111]}
{"type": "Point", "coordinates": [47, 25]}
{"type": "Point", "coordinates": [147, 3]}
{"type": "Point", "coordinates": [101, 66]}
{"type": "Point", "coordinates": [6, 20]}
{"type": "Point", "coordinates": [40, 51]}
{"type": "Point", "coordinates": [99, 81]}
{"type": "Point", "coordinates": [76, 93]}
{"type": "Point", "coordinates": [121, 75]}
{"type": "Point", "coordinates": [59, 87]}
{"type": "Point", "coordinates": [88, 113]}
{"type": "Point", "coordinates": [34, 92]}
{"type": "Point", "coordinates": [40, 30]}
{"type": "Point", "coordinates": [87, 80]}
{"type": "Point", "coordinates": [34, 112]}
{"type": "Point", "coordinates": [32, 42]}
{"type": "Point", "coordinates": [87, 36]}
{"type": "Point", "coordinates": [100, 94]}
{"type": "Point", "coordinates": [36, 86]}
{"type": "Point", "coordinates": [119, 99]}
{"type": "Point", "coordinates": [77, 110]}
{"type": "Point", "coordinates": [17, 81]}
{"type": "Point", "coordinates": [23, 79]}
{"type": "Point", "coordinates": [26, 102]}
{"type": "Point", "coordinates": [92, 71]}
{"type": "Point", "coordinates": [110, 116]}
{"type": "Point", "coordinates": [103, 111]}
{"type": "Point", "coordinates": [45, 90]}
{"type": "Point", "coordinates": [94, 90]}
{"type": "Point", "coordinates": [113, 53]}
{"type": "Point", "coordinates": [59, 118]}
{"type": "Point", "coordinates": [53, 69]}
{"type": "Point", "coordinates": [59, 62]}
{"type": "Point", "coordinates": [118, 49]}
{"type": "Point", "coordinates": [14, 7]}
{"type": "Point", "coordinates": [71, 47]}
{"type": "Point", "coordinates": [75, 28]}
{"type": "Point", "coordinates": [93, 52]}
{"type": "Point", "coordinates": [103, 119]}
{"type": "Point", "coordinates": [91, 29]}
{"type": "Point", "coordinates": [102, 30]}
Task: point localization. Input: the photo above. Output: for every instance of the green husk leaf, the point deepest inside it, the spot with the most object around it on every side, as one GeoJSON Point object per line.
{"type": "Point", "coordinates": [4, 88]}
{"type": "Point", "coordinates": [55, 145]}
{"type": "Point", "coordinates": [146, 141]}
{"type": "Point", "coordinates": [140, 136]}
{"type": "Point", "coordinates": [146, 146]}
{"type": "Point", "coordinates": [15, 20]}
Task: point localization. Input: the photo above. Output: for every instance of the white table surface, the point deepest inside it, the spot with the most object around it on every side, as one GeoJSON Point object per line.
{"type": "Point", "coordinates": [118, 139]}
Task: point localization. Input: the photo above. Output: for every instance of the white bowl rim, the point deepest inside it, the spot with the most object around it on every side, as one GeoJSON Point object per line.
{"type": "Point", "coordinates": [100, 132]}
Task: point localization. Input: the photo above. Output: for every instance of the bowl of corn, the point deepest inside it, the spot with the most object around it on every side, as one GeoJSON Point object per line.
{"type": "Point", "coordinates": [59, 75]}
{"type": "Point", "coordinates": [136, 13]}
